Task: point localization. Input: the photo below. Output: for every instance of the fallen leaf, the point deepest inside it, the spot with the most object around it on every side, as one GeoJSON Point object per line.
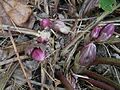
{"type": "Point", "coordinates": [17, 11]}
{"type": "Point", "coordinates": [4, 16]}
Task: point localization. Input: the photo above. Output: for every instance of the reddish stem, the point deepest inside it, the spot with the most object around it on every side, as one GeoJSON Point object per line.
{"type": "Point", "coordinates": [64, 81]}
{"type": "Point", "coordinates": [105, 60]}
{"type": "Point", "coordinates": [102, 79]}
{"type": "Point", "coordinates": [101, 85]}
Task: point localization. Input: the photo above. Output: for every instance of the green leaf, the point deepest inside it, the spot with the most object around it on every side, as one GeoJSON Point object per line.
{"type": "Point", "coordinates": [107, 5]}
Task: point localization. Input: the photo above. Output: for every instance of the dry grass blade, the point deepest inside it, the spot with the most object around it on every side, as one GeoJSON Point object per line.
{"type": "Point", "coordinates": [12, 60]}
{"type": "Point", "coordinates": [46, 7]}
{"type": "Point", "coordinates": [36, 83]}
{"type": "Point", "coordinates": [18, 57]}
{"type": "Point", "coordinates": [115, 48]}
{"type": "Point", "coordinates": [67, 63]}
{"type": "Point", "coordinates": [56, 4]}
{"type": "Point", "coordinates": [87, 6]}
{"type": "Point", "coordinates": [7, 75]}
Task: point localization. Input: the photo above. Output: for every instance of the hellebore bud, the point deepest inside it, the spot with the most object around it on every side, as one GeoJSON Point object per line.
{"type": "Point", "coordinates": [42, 40]}
{"type": "Point", "coordinates": [95, 32]}
{"type": "Point", "coordinates": [45, 23]}
{"type": "Point", "coordinates": [88, 54]}
{"type": "Point", "coordinates": [106, 33]}
{"type": "Point", "coordinates": [37, 54]}
{"type": "Point", "coordinates": [61, 27]}
{"type": "Point", "coordinates": [44, 37]}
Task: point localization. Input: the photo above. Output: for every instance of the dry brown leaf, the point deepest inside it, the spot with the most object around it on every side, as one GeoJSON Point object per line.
{"type": "Point", "coordinates": [30, 22]}
{"type": "Point", "coordinates": [17, 11]}
{"type": "Point", "coordinates": [6, 20]}
{"type": "Point", "coordinates": [3, 15]}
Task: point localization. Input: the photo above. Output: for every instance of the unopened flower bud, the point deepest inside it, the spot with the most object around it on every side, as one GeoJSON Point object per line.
{"type": "Point", "coordinates": [44, 37]}
{"type": "Point", "coordinates": [95, 32]}
{"type": "Point", "coordinates": [61, 27]}
{"type": "Point", "coordinates": [45, 23]}
{"type": "Point", "coordinates": [41, 40]}
{"type": "Point", "coordinates": [37, 54]}
{"type": "Point", "coordinates": [88, 54]}
{"type": "Point", "coordinates": [106, 33]}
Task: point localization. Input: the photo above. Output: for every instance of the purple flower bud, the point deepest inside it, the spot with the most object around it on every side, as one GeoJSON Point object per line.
{"type": "Point", "coordinates": [106, 33]}
{"type": "Point", "coordinates": [95, 32]}
{"type": "Point", "coordinates": [61, 27]}
{"type": "Point", "coordinates": [37, 54]}
{"type": "Point", "coordinates": [41, 40]}
{"type": "Point", "coordinates": [88, 54]}
{"type": "Point", "coordinates": [44, 37]}
{"type": "Point", "coordinates": [45, 23]}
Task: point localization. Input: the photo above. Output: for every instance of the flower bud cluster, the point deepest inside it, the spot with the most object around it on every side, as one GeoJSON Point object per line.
{"type": "Point", "coordinates": [88, 53]}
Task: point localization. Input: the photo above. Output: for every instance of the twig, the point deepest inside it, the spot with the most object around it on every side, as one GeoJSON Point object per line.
{"type": "Point", "coordinates": [67, 63]}
{"type": "Point", "coordinates": [42, 76]}
{"type": "Point", "coordinates": [48, 74]}
{"type": "Point", "coordinates": [12, 60]}
{"type": "Point", "coordinates": [20, 30]}
{"type": "Point", "coordinates": [83, 19]}
{"type": "Point", "coordinates": [18, 58]}
{"type": "Point", "coordinates": [67, 20]}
